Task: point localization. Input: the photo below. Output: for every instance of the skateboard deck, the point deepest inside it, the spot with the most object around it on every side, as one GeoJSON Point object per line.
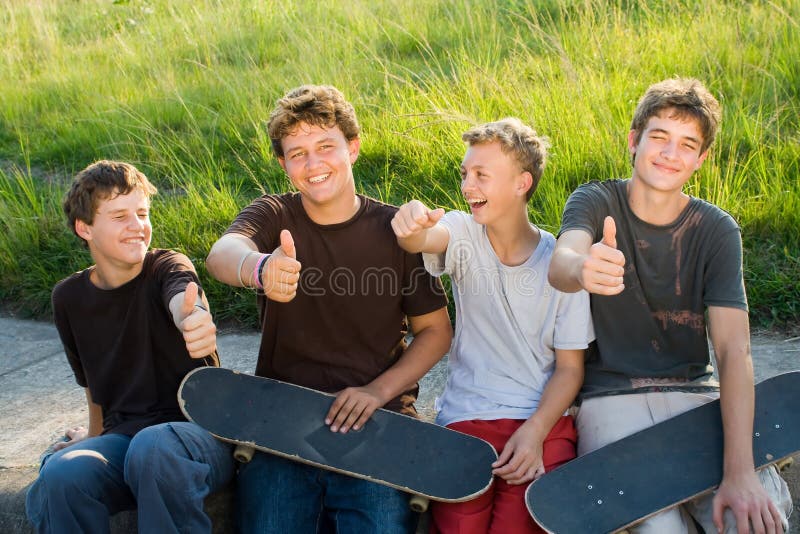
{"type": "Point", "coordinates": [287, 420]}
{"type": "Point", "coordinates": [662, 466]}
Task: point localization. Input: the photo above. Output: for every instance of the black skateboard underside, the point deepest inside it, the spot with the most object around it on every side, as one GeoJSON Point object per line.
{"type": "Point", "coordinates": [661, 466]}
{"type": "Point", "coordinates": [288, 420]}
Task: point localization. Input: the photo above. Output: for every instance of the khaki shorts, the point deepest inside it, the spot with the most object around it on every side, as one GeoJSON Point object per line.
{"type": "Point", "coordinates": [602, 420]}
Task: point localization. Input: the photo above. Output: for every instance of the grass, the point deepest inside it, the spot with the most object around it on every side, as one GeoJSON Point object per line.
{"type": "Point", "coordinates": [182, 89]}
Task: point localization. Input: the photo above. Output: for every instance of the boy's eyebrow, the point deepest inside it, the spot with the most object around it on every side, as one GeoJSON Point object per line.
{"type": "Point", "coordinates": [316, 143]}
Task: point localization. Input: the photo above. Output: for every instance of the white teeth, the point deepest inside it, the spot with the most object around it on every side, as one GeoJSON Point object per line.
{"type": "Point", "coordinates": [476, 200]}
{"type": "Point", "coordinates": [318, 179]}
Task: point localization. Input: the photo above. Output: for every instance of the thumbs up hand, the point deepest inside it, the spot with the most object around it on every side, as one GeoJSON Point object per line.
{"type": "Point", "coordinates": [196, 324]}
{"type": "Point", "coordinates": [604, 267]}
{"type": "Point", "coordinates": [281, 274]}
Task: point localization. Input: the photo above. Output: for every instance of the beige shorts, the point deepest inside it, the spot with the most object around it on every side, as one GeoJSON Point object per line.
{"type": "Point", "coordinates": [602, 420]}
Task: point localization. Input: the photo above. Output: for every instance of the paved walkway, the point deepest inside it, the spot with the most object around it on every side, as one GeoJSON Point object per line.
{"type": "Point", "coordinates": [40, 398]}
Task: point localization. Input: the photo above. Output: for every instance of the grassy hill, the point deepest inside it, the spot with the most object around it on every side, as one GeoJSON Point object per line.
{"type": "Point", "coordinates": [182, 88]}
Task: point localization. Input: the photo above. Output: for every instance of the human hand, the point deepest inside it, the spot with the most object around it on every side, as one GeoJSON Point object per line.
{"type": "Point", "coordinates": [521, 459]}
{"type": "Point", "coordinates": [749, 503]}
{"type": "Point", "coordinates": [73, 435]}
{"type": "Point", "coordinates": [603, 268]}
{"type": "Point", "coordinates": [198, 328]}
{"type": "Point", "coordinates": [282, 272]}
{"type": "Point", "coordinates": [413, 217]}
{"type": "Point", "coordinates": [352, 408]}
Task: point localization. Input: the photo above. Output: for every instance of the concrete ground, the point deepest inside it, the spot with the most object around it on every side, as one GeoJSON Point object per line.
{"type": "Point", "coordinates": [40, 399]}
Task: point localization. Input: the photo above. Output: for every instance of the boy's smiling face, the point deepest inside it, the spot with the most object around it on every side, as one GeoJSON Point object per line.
{"type": "Point", "coordinates": [492, 182]}
{"type": "Point", "coordinates": [668, 152]}
{"type": "Point", "coordinates": [120, 233]}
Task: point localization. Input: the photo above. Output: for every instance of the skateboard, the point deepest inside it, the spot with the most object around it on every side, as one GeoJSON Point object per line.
{"type": "Point", "coordinates": [662, 466]}
{"type": "Point", "coordinates": [427, 460]}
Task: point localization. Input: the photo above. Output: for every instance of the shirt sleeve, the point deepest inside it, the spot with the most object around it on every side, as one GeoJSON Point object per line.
{"type": "Point", "coordinates": [61, 320]}
{"type": "Point", "coordinates": [583, 210]}
{"type": "Point", "coordinates": [573, 327]}
{"type": "Point", "coordinates": [174, 271]}
{"type": "Point", "coordinates": [259, 223]}
{"type": "Point", "coordinates": [456, 223]}
{"type": "Point", "coordinates": [724, 276]}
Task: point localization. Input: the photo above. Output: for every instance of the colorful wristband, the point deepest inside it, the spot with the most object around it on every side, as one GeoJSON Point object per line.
{"type": "Point", "coordinates": [257, 271]}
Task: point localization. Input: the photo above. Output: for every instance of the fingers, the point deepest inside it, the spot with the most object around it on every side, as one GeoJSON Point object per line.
{"type": "Point", "coordinates": [352, 408]}
{"type": "Point", "coordinates": [287, 244]}
{"type": "Point", "coordinates": [189, 299]}
{"type": "Point", "coordinates": [199, 333]}
{"type": "Point", "coordinates": [414, 217]}
{"type": "Point", "coordinates": [609, 232]}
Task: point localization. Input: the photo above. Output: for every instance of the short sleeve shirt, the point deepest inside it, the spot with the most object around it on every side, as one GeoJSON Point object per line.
{"type": "Point", "coordinates": [348, 322]}
{"type": "Point", "coordinates": [123, 345]}
{"type": "Point", "coordinates": [509, 322]}
{"type": "Point", "coordinates": [654, 332]}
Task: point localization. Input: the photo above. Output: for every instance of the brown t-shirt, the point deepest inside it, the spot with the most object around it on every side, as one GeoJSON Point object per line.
{"type": "Point", "coordinates": [123, 345]}
{"type": "Point", "coordinates": [347, 324]}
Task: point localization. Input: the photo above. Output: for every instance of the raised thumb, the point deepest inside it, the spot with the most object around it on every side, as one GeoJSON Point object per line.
{"type": "Point", "coordinates": [189, 299]}
{"type": "Point", "coordinates": [610, 232]}
{"type": "Point", "coordinates": [287, 244]}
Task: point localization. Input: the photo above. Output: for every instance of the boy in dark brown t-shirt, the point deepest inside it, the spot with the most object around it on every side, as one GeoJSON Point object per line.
{"type": "Point", "coordinates": [337, 297]}
{"type": "Point", "coordinates": [133, 324]}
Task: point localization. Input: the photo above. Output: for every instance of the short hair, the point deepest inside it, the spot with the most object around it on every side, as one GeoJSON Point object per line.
{"type": "Point", "coordinates": [318, 105]}
{"type": "Point", "coordinates": [99, 181]}
{"type": "Point", "coordinates": [517, 140]}
{"type": "Point", "coordinates": [689, 99]}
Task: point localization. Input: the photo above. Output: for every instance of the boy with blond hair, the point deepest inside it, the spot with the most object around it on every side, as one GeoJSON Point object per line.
{"type": "Point", "coordinates": [664, 270]}
{"type": "Point", "coordinates": [133, 324]}
{"type": "Point", "coordinates": [516, 362]}
{"type": "Point", "coordinates": [336, 296]}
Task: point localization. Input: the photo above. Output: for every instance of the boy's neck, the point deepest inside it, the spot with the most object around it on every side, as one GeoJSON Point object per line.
{"type": "Point", "coordinates": [513, 238]}
{"type": "Point", "coordinates": [341, 210]}
{"type": "Point", "coordinates": [655, 207]}
{"type": "Point", "coordinates": [112, 277]}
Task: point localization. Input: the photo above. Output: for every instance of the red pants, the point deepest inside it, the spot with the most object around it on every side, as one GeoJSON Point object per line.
{"type": "Point", "coordinates": [502, 508]}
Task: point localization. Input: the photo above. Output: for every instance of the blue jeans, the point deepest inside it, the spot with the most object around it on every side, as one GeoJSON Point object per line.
{"type": "Point", "coordinates": [165, 472]}
{"type": "Point", "coordinates": [279, 495]}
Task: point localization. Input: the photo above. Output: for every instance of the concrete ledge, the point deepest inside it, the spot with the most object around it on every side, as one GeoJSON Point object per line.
{"type": "Point", "coordinates": [40, 399]}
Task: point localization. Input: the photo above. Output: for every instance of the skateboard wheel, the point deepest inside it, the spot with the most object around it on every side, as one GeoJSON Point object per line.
{"type": "Point", "coordinates": [243, 453]}
{"type": "Point", "coordinates": [418, 503]}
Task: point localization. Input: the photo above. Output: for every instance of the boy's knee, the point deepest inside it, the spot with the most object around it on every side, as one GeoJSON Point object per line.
{"type": "Point", "coordinates": [149, 448]}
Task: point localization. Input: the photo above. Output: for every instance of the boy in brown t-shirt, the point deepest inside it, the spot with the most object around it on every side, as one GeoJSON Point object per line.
{"type": "Point", "coordinates": [336, 294]}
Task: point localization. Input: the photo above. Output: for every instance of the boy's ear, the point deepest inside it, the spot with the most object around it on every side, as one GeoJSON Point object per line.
{"type": "Point", "coordinates": [524, 183]}
{"type": "Point", "coordinates": [700, 160]}
{"type": "Point", "coordinates": [282, 163]}
{"type": "Point", "coordinates": [632, 142]}
{"type": "Point", "coordinates": [83, 230]}
{"type": "Point", "coordinates": [353, 147]}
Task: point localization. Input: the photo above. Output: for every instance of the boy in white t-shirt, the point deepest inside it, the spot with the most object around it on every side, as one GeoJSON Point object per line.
{"type": "Point", "coordinates": [516, 363]}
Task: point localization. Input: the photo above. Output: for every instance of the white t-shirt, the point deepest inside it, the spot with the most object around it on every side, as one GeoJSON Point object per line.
{"type": "Point", "coordinates": [509, 321]}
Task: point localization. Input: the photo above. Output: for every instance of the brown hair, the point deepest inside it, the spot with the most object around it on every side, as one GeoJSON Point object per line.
{"type": "Point", "coordinates": [318, 105]}
{"type": "Point", "coordinates": [99, 181]}
{"type": "Point", "coordinates": [687, 98]}
{"type": "Point", "coordinates": [516, 139]}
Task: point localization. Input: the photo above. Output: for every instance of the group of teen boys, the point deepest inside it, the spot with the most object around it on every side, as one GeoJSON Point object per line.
{"type": "Point", "coordinates": [614, 311]}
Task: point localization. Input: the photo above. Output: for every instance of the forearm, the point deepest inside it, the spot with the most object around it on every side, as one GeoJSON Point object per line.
{"type": "Point", "coordinates": [229, 253]}
{"type": "Point", "coordinates": [565, 268]}
{"type": "Point", "coordinates": [427, 348]}
{"type": "Point", "coordinates": [558, 396]}
{"type": "Point", "coordinates": [737, 399]}
{"type": "Point", "coordinates": [95, 416]}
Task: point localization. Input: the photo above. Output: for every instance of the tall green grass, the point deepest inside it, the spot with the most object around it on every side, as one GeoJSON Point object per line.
{"type": "Point", "coordinates": [182, 89]}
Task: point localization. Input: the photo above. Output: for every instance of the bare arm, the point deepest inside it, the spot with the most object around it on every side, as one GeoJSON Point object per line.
{"type": "Point", "coordinates": [578, 264]}
{"type": "Point", "coordinates": [79, 433]}
{"type": "Point", "coordinates": [279, 277]}
{"type": "Point", "coordinates": [521, 461]}
{"type": "Point", "coordinates": [354, 406]}
{"type": "Point", "coordinates": [740, 489]}
{"type": "Point", "coordinates": [417, 229]}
